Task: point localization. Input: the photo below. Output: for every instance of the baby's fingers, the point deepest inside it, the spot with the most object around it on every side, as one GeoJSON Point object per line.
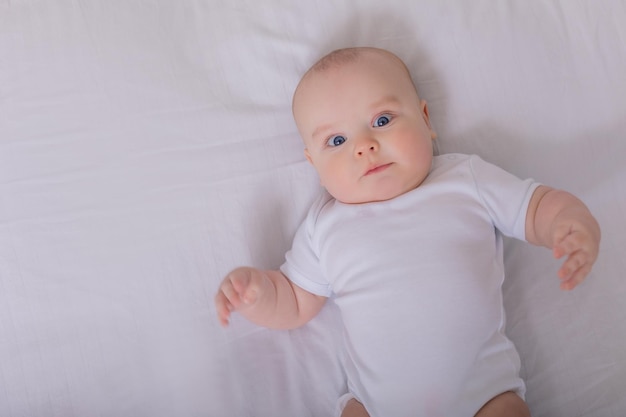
{"type": "Point", "coordinates": [231, 293]}
{"type": "Point", "coordinates": [576, 277]}
{"type": "Point", "coordinates": [572, 264]}
{"type": "Point", "coordinates": [568, 243]}
{"type": "Point", "coordinates": [247, 284]}
{"type": "Point", "coordinates": [223, 307]}
{"type": "Point", "coordinates": [574, 269]}
{"type": "Point", "coordinates": [228, 299]}
{"type": "Point", "coordinates": [238, 291]}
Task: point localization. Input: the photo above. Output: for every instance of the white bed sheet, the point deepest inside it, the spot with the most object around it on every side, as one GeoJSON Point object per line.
{"type": "Point", "coordinates": [147, 147]}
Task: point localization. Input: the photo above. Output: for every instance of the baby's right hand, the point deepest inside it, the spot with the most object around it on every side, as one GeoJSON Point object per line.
{"type": "Point", "coordinates": [238, 290]}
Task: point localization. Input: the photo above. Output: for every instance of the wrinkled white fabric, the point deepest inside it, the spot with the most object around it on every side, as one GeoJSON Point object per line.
{"type": "Point", "coordinates": [148, 147]}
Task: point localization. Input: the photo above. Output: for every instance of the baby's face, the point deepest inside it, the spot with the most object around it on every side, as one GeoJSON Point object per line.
{"type": "Point", "coordinates": [365, 130]}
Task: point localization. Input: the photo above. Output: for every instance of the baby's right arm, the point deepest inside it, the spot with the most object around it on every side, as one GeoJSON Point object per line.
{"type": "Point", "coordinates": [266, 298]}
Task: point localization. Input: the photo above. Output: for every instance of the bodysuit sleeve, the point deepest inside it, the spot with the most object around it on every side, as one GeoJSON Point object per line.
{"type": "Point", "coordinates": [505, 197]}
{"type": "Point", "coordinates": [302, 263]}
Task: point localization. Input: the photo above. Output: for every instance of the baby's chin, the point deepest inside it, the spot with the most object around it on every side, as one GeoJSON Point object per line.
{"type": "Point", "coordinates": [382, 195]}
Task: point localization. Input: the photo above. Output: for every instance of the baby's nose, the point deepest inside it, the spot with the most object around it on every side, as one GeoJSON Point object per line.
{"type": "Point", "coordinates": [366, 146]}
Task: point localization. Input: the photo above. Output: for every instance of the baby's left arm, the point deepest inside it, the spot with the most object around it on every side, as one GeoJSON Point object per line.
{"type": "Point", "coordinates": [558, 220]}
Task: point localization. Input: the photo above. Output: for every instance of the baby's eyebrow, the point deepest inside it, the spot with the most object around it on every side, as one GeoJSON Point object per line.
{"type": "Point", "coordinates": [321, 129]}
{"type": "Point", "coordinates": [385, 101]}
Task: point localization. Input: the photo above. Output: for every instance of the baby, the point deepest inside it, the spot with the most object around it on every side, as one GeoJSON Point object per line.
{"type": "Point", "coordinates": [407, 244]}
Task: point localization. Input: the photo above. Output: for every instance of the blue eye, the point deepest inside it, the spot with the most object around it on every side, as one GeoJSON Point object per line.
{"type": "Point", "coordinates": [336, 140]}
{"type": "Point", "coordinates": [382, 120]}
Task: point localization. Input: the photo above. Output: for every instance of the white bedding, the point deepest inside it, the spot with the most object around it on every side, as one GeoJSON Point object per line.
{"type": "Point", "coordinates": [147, 147]}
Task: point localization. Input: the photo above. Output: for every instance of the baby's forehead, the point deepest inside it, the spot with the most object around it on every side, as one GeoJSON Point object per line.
{"type": "Point", "coordinates": [365, 66]}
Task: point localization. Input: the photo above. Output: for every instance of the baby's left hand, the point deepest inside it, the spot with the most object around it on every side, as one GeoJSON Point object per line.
{"type": "Point", "coordinates": [578, 238]}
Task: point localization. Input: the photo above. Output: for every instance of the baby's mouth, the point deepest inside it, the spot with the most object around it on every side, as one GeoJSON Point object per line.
{"type": "Point", "coordinates": [377, 168]}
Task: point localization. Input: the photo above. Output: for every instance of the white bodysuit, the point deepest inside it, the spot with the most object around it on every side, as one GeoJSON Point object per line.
{"type": "Point", "coordinates": [418, 282]}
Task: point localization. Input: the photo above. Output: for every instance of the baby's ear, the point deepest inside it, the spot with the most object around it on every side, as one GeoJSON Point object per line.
{"type": "Point", "coordinates": [308, 156]}
{"type": "Point", "coordinates": [426, 116]}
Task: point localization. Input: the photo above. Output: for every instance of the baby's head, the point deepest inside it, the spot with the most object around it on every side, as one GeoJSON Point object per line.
{"type": "Point", "coordinates": [365, 129]}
